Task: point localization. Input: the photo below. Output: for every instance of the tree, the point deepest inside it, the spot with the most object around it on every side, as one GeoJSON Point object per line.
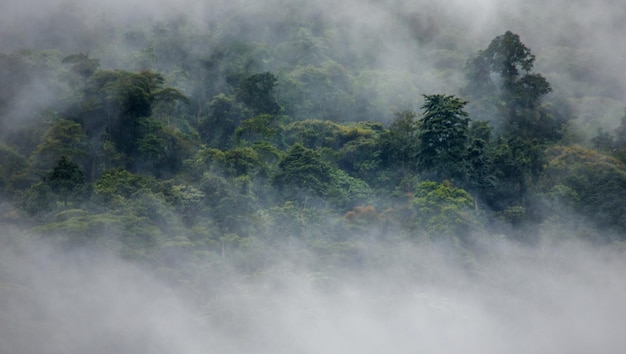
{"type": "Point", "coordinates": [302, 173]}
{"type": "Point", "coordinates": [224, 116]}
{"type": "Point", "coordinates": [116, 105]}
{"type": "Point", "coordinates": [360, 156]}
{"type": "Point", "coordinates": [117, 185]}
{"type": "Point", "coordinates": [517, 165]}
{"type": "Point", "coordinates": [604, 141]}
{"type": "Point", "coordinates": [82, 65]}
{"type": "Point", "coordinates": [595, 184]}
{"type": "Point", "coordinates": [399, 143]}
{"type": "Point", "coordinates": [161, 149]}
{"type": "Point", "coordinates": [481, 179]}
{"type": "Point", "coordinates": [442, 211]}
{"type": "Point", "coordinates": [263, 127]}
{"type": "Point", "coordinates": [505, 56]}
{"type": "Point", "coordinates": [501, 81]}
{"type": "Point", "coordinates": [63, 138]}
{"type": "Point", "coordinates": [322, 91]}
{"type": "Point", "coordinates": [443, 137]}
{"type": "Point", "coordinates": [14, 174]}
{"type": "Point", "coordinates": [257, 92]}
{"type": "Point", "coordinates": [66, 179]}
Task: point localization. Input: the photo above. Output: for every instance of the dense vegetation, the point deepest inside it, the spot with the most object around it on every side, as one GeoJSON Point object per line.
{"type": "Point", "coordinates": [201, 144]}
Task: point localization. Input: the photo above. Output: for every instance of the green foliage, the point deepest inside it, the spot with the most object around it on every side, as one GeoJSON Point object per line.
{"type": "Point", "coordinates": [360, 157]}
{"type": "Point", "coordinates": [229, 203]}
{"type": "Point", "coordinates": [302, 174]}
{"type": "Point", "coordinates": [517, 164]}
{"type": "Point", "coordinates": [224, 116]}
{"type": "Point", "coordinates": [14, 174]}
{"type": "Point", "coordinates": [264, 127]}
{"type": "Point", "coordinates": [82, 65]}
{"type": "Point", "coordinates": [117, 106]}
{"type": "Point", "coordinates": [294, 221]}
{"type": "Point", "coordinates": [364, 218]}
{"type": "Point", "coordinates": [134, 237]}
{"type": "Point", "coordinates": [443, 138]}
{"type": "Point", "coordinates": [318, 92]}
{"type": "Point", "coordinates": [400, 143]}
{"type": "Point", "coordinates": [116, 186]}
{"type": "Point", "coordinates": [348, 191]}
{"type": "Point", "coordinates": [594, 184]}
{"type": "Point", "coordinates": [257, 92]}
{"type": "Point", "coordinates": [442, 211]}
{"type": "Point", "coordinates": [63, 138]}
{"type": "Point", "coordinates": [315, 134]}
{"type": "Point", "coordinates": [214, 143]}
{"type": "Point", "coordinates": [187, 199]}
{"type": "Point", "coordinates": [161, 150]}
{"type": "Point", "coordinates": [304, 48]}
{"type": "Point", "coordinates": [481, 179]}
{"type": "Point", "coordinates": [38, 199]}
{"type": "Point", "coordinates": [603, 141]}
{"type": "Point", "coordinates": [244, 161]}
{"type": "Point", "coordinates": [133, 95]}
{"type": "Point", "coordinates": [67, 180]}
{"type": "Point", "coordinates": [253, 161]}
{"type": "Point", "coordinates": [506, 56]}
{"type": "Point", "coordinates": [506, 96]}
{"type": "Point", "coordinates": [147, 208]}
{"type": "Point", "coordinates": [130, 93]}
{"type": "Point", "coordinates": [205, 159]}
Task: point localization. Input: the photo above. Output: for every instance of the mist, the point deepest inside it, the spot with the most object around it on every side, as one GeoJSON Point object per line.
{"type": "Point", "coordinates": [575, 42]}
{"type": "Point", "coordinates": [147, 282]}
{"type": "Point", "coordinates": [564, 297]}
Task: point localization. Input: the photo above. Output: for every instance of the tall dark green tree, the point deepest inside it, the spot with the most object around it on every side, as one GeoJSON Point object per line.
{"type": "Point", "coordinates": [506, 90]}
{"type": "Point", "coordinates": [443, 138]}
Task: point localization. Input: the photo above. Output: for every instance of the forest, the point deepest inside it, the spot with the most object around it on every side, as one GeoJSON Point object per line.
{"type": "Point", "coordinates": [200, 148]}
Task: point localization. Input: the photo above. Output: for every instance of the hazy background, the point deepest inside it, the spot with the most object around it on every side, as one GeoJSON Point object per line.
{"type": "Point", "coordinates": [565, 298]}
{"type": "Point", "coordinates": [574, 41]}
{"type": "Point", "coordinates": [561, 297]}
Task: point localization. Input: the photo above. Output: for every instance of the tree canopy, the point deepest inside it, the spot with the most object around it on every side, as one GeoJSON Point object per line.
{"type": "Point", "coordinates": [239, 145]}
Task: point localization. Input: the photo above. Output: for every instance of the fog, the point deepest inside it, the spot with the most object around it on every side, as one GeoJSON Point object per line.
{"type": "Point", "coordinates": [552, 297]}
{"type": "Point", "coordinates": [563, 297]}
{"type": "Point", "coordinates": [425, 43]}
{"type": "Point", "coordinates": [591, 29]}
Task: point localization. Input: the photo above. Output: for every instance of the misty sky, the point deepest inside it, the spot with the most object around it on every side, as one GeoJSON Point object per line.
{"type": "Point", "coordinates": [568, 37]}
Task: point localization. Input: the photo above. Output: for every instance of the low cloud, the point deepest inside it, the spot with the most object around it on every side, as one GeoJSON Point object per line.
{"type": "Point", "coordinates": [564, 298]}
